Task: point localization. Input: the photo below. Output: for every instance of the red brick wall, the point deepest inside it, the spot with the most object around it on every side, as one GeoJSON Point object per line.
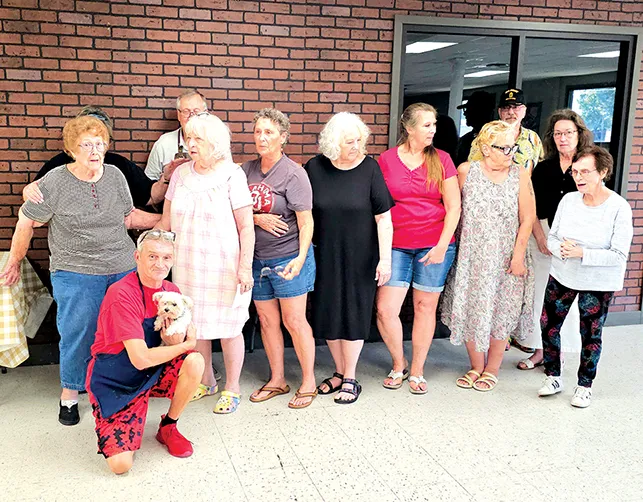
{"type": "Point", "coordinates": [309, 58]}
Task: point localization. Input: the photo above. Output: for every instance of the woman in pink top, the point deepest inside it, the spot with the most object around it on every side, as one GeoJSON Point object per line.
{"type": "Point", "coordinates": [424, 184]}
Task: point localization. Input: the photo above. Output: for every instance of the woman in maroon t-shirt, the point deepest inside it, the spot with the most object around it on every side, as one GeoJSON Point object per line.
{"type": "Point", "coordinates": [424, 184]}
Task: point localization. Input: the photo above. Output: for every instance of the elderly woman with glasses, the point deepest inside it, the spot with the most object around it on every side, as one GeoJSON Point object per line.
{"type": "Point", "coordinates": [88, 208]}
{"type": "Point", "coordinates": [208, 206]}
{"type": "Point", "coordinates": [284, 265]}
{"type": "Point", "coordinates": [353, 238]}
{"type": "Point", "coordinates": [589, 241]}
{"type": "Point", "coordinates": [490, 290]}
{"type": "Point", "coordinates": [552, 179]}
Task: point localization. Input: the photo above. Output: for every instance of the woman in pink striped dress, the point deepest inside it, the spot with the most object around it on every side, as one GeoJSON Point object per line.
{"type": "Point", "coordinates": [209, 207]}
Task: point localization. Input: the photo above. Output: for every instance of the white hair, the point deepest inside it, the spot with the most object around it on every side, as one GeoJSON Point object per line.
{"type": "Point", "coordinates": [336, 128]}
{"type": "Point", "coordinates": [215, 133]}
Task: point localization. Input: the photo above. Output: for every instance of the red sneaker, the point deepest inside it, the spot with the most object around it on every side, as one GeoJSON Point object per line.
{"type": "Point", "coordinates": [176, 443]}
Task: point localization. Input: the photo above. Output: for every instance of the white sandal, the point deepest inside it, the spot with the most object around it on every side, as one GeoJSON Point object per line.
{"type": "Point", "coordinates": [417, 380]}
{"type": "Point", "coordinates": [394, 375]}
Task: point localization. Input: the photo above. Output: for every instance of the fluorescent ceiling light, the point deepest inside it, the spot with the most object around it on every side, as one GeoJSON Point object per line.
{"type": "Point", "coordinates": [485, 73]}
{"type": "Point", "coordinates": [602, 55]}
{"type": "Point", "coordinates": [420, 47]}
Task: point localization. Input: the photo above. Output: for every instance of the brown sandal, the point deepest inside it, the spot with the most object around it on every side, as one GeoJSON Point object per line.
{"type": "Point", "coordinates": [298, 395]}
{"type": "Point", "coordinates": [273, 392]}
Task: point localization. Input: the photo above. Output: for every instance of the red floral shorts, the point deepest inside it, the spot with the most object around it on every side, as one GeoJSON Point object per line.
{"type": "Point", "coordinates": [123, 431]}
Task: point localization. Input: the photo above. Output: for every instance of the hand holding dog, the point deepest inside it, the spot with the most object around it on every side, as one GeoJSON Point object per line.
{"type": "Point", "coordinates": [174, 339]}
{"type": "Point", "coordinates": [190, 338]}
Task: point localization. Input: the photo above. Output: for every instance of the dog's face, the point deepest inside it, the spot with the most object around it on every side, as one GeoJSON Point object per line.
{"type": "Point", "coordinates": [170, 304]}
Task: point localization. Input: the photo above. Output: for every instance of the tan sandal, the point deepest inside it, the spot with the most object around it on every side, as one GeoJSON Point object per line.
{"type": "Point", "coordinates": [418, 380]}
{"type": "Point", "coordinates": [396, 375]}
{"type": "Point", "coordinates": [468, 381]}
{"type": "Point", "coordinates": [273, 392]}
{"type": "Point", "coordinates": [298, 395]}
{"type": "Point", "coordinates": [487, 378]}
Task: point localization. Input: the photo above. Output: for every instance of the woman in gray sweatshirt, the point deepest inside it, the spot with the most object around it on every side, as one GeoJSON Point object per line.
{"type": "Point", "coordinates": [590, 239]}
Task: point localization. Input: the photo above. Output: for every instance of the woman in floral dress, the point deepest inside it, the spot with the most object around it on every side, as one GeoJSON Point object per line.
{"type": "Point", "coordinates": [490, 290]}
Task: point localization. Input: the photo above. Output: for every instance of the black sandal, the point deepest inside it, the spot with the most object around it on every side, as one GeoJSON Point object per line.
{"type": "Point", "coordinates": [355, 391]}
{"type": "Point", "coordinates": [328, 383]}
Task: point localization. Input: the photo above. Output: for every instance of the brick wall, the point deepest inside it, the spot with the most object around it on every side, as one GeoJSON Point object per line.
{"type": "Point", "coordinates": [309, 58]}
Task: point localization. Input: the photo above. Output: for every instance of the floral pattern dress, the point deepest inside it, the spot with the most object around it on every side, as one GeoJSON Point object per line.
{"type": "Point", "coordinates": [481, 299]}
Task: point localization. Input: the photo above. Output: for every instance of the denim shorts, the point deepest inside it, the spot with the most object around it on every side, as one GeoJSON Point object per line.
{"type": "Point", "coordinates": [270, 285]}
{"type": "Point", "coordinates": [407, 270]}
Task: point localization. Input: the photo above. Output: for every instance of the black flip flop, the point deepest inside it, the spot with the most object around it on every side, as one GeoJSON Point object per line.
{"type": "Point", "coordinates": [331, 389]}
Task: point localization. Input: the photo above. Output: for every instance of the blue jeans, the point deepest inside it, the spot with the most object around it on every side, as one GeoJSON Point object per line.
{"type": "Point", "coordinates": [78, 297]}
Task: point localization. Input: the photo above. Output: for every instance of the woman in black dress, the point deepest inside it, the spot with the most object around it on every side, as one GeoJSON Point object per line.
{"type": "Point", "coordinates": [353, 239]}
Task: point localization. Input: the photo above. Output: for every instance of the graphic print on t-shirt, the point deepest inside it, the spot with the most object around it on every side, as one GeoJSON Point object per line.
{"type": "Point", "coordinates": [262, 197]}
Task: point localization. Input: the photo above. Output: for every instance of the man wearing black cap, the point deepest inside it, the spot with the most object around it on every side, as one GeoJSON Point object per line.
{"type": "Point", "coordinates": [478, 110]}
{"type": "Point", "coordinates": [512, 110]}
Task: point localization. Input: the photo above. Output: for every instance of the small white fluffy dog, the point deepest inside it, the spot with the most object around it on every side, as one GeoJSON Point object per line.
{"type": "Point", "coordinates": [176, 307]}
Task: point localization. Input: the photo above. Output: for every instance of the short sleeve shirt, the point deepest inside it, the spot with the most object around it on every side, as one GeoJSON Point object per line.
{"type": "Point", "coordinates": [530, 150]}
{"type": "Point", "coordinates": [284, 190]}
{"type": "Point", "coordinates": [163, 152]}
{"type": "Point", "coordinates": [122, 314]}
{"type": "Point", "coordinates": [418, 214]}
{"type": "Point", "coordinates": [87, 232]}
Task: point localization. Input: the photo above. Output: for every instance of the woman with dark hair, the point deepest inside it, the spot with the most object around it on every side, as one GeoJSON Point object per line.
{"type": "Point", "coordinates": [424, 184]}
{"type": "Point", "coordinates": [590, 239]}
{"type": "Point", "coordinates": [552, 179]}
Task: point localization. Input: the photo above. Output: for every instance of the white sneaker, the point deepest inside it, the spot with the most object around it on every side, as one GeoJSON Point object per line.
{"type": "Point", "coordinates": [552, 385]}
{"type": "Point", "coordinates": [582, 397]}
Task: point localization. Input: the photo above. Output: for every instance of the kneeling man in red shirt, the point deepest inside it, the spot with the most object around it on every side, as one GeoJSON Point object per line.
{"type": "Point", "coordinates": [129, 365]}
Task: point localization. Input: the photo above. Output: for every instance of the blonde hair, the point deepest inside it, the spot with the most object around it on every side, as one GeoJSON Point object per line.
{"type": "Point", "coordinates": [489, 132]}
{"type": "Point", "coordinates": [434, 167]}
{"type": "Point", "coordinates": [78, 126]}
{"type": "Point", "coordinates": [336, 128]}
{"type": "Point", "coordinates": [215, 133]}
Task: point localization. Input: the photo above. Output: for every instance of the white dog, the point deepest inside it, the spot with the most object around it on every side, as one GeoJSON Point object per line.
{"type": "Point", "coordinates": [176, 307]}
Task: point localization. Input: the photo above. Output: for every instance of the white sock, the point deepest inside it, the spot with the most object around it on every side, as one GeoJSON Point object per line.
{"type": "Point", "coordinates": [68, 402]}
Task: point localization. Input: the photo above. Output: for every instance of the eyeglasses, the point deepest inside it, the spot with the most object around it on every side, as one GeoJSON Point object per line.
{"type": "Point", "coordinates": [507, 150]}
{"type": "Point", "coordinates": [155, 235]}
{"type": "Point", "coordinates": [567, 134]}
{"type": "Point", "coordinates": [583, 174]}
{"type": "Point", "coordinates": [88, 146]}
{"type": "Point", "coordinates": [186, 112]}
{"type": "Point", "coordinates": [510, 107]}
{"type": "Point", "coordinates": [266, 271]}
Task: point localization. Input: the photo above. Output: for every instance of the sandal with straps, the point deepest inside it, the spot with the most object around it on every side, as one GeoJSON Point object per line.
{"type": "Point", "coordinates": [396, 375]}
{"type": "Point", "coordinates": [356, 390]}
{"type": "Point", "coordinates": [227, 403]}
{"type": "Point", "coordinates": [468, 381]}
{"type": "Point", "coordinates": [418, 380]}
{"type": "Point", "coordinates": [272, 392]}
{"type": "Point", "coordinates": [487, 378]}
{"type": "Point", "coordinates": [328, 383]}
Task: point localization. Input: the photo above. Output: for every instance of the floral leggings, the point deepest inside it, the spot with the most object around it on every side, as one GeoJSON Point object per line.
{"type": "Point", "coordinates": [593, 306]}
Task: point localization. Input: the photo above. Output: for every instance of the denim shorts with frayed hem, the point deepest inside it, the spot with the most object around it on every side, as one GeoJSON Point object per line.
{"type": "Point", "coordinates": [270, 285]}
{"type": "Point", "coordinates": [407, 270]}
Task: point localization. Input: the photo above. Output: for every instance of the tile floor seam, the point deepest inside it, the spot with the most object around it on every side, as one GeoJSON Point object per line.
{"type": "Point", "coordinates": [225, 447]}
{"type": "Point", "coordinates": [299, 460]}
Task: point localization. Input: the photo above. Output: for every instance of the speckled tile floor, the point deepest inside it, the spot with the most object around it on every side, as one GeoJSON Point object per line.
{"type": "Point", "coordinates": [449, 445]}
